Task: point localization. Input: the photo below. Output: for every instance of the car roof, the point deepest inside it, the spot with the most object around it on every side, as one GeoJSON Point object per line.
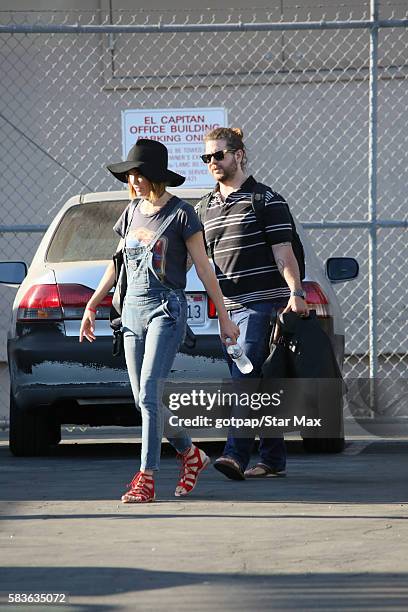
{"type": "Point", "coordinates": [123, 194]}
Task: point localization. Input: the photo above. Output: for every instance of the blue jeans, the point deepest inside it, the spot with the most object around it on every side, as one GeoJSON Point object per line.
{"type": "Point", "coordinates": [154, 321]}
{"type": "Point", "coordinates": [154, 326]}
{"type": "Point", "coordinates": [254, 325]}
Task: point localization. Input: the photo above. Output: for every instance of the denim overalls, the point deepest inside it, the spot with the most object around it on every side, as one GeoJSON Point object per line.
{"type": "Point", "coordinates": [154, 320]}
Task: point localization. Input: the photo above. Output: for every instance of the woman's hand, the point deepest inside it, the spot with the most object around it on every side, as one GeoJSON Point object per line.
{"type": "Point", "coordinates": [88, 326]}
{"type": "Point", "coordinates": [229, 330]}
{"type": "Point", "coordinates": [105, 285]}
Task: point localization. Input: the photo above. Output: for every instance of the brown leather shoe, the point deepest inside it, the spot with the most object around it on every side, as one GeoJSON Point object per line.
{"type": "Point", "coordinates": [230, 468]}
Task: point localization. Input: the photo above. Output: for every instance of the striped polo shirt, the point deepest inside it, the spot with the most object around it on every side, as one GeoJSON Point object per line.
{"type": "Point", "coordinates": [244, 263]}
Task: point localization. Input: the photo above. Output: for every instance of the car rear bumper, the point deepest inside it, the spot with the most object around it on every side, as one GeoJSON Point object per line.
{"type": "Point", "coordinates": [48, 368]}
{"type": "Point", "coordinates": [54, 368]}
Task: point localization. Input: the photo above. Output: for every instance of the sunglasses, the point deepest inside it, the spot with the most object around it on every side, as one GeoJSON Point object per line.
{"type": "Point", "coordinates": [218, 155]}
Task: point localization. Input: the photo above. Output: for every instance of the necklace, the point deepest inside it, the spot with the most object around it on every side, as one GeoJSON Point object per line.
{"type": "Point", "coordinates": [151, 208]}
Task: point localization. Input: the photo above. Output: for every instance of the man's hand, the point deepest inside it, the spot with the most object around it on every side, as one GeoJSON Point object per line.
{"type": "Point", "coordinates": [228, 329]}
{"type": "Point", "coordinates": [289, 269]}
{"type": "Point", "coordinates": [298, 305]}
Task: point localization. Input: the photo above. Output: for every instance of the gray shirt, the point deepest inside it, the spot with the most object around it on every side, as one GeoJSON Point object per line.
{"type": "Point", "coordinates": [169, 251]}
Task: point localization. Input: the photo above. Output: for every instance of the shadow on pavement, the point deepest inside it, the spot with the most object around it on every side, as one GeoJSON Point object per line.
{"type": "Point", "coordinates": [346, 591]}
{"type": "Point", "coordinates": [100, 472]}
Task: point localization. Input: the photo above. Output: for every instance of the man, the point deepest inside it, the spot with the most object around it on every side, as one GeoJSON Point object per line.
{"type": "Point", "coordinates": [254, 283]}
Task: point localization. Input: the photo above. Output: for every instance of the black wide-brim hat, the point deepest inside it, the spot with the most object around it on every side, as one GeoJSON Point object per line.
{"type": "Point", "coordinates": [150, 158]}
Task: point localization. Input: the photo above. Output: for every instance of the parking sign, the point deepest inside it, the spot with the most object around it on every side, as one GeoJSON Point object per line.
{"type": "Point", "coordinates": [182, 130]}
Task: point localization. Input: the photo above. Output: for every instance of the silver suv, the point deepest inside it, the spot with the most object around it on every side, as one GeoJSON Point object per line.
{"type": "Point", "coordinates": [55, 380]}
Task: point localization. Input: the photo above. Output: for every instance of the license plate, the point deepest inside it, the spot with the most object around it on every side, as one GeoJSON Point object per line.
{"type": "Point", "coordinates": [196, 305]}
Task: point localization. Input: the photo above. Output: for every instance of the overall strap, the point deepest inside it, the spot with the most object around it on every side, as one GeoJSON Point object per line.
{"type": "Point", "coordinates": [164, 225]}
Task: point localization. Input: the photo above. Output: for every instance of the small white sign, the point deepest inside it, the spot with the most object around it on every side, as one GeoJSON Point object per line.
{"type": "Point", "coordinates": [182, 130]}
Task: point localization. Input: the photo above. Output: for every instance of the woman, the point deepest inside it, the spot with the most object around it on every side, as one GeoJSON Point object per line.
{"type": "Point", "coordinates": [157, 233]}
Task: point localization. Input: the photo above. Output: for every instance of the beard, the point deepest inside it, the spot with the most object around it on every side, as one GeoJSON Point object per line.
{"type": "Point", "coordinates": [224, 174]}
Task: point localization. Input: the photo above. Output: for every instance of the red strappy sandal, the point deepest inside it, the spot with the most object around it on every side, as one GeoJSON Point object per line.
{"type": "Point", "coordinates": [141, 490]}
{"type": "Point", "coordinates": [192, 464]}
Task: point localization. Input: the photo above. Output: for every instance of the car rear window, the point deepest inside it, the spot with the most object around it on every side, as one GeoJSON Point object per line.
{"type": "Point", "coordinates": [85, 232]}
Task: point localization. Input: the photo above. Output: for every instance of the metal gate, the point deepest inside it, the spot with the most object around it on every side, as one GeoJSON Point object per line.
{"type": "Point", "coordinates": [321, 99]}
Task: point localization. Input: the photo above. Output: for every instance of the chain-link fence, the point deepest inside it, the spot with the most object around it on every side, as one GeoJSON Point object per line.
{"type": "Point", "coordinates": [296, 82]}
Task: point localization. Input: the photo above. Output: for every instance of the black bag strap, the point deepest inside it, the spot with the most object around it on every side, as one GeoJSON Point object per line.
{"type": "Point", "coordinates": [202, 208]}
{"type": "Point", "coordinates": [119, 262]}
{"type": "Point", "coordinates": [119, 258]}
{"type": "Point", "coordinates": [129, 217]}
{"type": "Point", "coordinates": [258, 199]}
{"type": "Point", "coordinates": [258, 206]}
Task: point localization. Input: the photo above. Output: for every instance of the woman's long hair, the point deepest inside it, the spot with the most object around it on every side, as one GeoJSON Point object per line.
{"type": "Point", "coordinates": [156, 190]}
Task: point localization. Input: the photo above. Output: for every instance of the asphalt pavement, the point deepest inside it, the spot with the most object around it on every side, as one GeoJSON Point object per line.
{"type": "Point", "coordinates": [332, 535]}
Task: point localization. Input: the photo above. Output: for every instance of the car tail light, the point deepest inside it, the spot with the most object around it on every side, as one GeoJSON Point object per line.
{"type": "Point", "coordinates": [316, 298]}
{"type": "Point", "coordinates": [74, 298]}
{"type": "Point", "coordinates": [211, 310]}
{"type": "Point", "coordinates": [41, 302]}
{"type": "Point", "coordinates": [58, 302]}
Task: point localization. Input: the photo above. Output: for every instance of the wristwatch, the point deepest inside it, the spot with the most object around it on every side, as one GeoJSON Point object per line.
{"type": "Point", "coordinates": [298, 293]}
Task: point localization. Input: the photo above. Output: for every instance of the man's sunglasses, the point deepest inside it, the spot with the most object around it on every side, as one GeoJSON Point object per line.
{"type": "Point", "coordinates": [218, 155]}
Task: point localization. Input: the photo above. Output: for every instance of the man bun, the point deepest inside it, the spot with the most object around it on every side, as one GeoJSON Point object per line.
{"type": "Point", "coordinates": [238, 132]}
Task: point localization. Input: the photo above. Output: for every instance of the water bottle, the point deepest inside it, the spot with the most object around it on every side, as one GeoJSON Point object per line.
{"type": "Point", "coordinates": [238, 355]}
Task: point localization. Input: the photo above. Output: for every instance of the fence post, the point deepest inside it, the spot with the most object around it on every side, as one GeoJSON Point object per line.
{"type": "Point", "coordinates": [372, 201]}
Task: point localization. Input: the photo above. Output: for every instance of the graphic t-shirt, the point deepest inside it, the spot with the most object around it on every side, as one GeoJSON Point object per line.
{"type": "Point", "coordinates": [169, 251]}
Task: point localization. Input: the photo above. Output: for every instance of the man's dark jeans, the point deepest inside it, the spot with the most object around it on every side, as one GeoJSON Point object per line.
{"type": "Point", "coordinates": [254, 324]}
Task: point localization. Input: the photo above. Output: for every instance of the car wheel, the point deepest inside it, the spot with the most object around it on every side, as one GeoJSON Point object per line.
{"type": "Point", "coordinates": [32, 432]}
